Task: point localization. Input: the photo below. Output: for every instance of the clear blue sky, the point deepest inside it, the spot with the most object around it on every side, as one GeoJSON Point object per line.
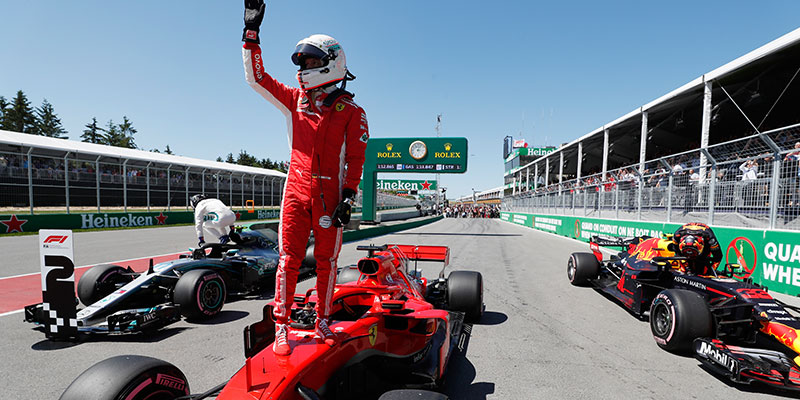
{"type": "Point", "coordinates": [547, 71]}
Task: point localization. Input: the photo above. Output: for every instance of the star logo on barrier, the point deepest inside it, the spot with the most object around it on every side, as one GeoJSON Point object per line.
{"type": "Point", "coordinates": [238, 215]}
{"type": "Point", "coordinates": [426, 185]}
{"type": "Point", "coordinates": [14, 224]}
{"type": "Point", "coordinates": [162, 219]}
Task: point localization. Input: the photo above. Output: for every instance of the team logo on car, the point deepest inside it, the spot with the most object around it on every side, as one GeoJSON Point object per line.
{"type": "Point", "coordinates": [742, 251]}
{"type": "Point", "coordinates": [373, 334]}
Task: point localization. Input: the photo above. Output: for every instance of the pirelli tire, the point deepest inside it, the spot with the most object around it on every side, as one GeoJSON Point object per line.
{"type": "Point", "coordinates": [581, 267]}
{"type": "Point", "coordinates": [100, 281]}
{"type": "Point", "coordinates": [200, 293]}
{"type": "Point", "coordinates": [678, 317]}
{"type": "Point", "coordinates": [465, 294]}
{"type": "Point", "coordinates": [128, 377]}
{"type": "Point", "coordinates": [348, 273]}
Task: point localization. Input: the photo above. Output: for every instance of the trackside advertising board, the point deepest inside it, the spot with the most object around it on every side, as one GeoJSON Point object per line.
{"type": "Point", "coordinates": [58, 283]}
{"type": "Point", "coordinates": [770, 258]}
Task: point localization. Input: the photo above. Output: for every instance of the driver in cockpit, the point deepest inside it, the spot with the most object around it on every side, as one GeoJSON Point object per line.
{"type": "Point", "coordinates": [697, 242]}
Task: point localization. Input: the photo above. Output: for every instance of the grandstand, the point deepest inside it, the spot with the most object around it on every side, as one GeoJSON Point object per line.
{"type": "Point", "coordinates": [490, 196]}
{"type": "Point", "coordinates": [38, 171]}
{"type": "Point", "coordinates": [723, 148]}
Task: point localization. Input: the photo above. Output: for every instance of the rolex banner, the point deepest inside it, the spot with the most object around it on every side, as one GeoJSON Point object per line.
{"type": "Point", "coordinates": [770, 258]}
{"type": "Point", "coordinates": [58, 283]}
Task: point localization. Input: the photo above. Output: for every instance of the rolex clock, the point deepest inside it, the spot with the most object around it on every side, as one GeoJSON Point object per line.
{"type": "Point", "coordinates": [418, 150]}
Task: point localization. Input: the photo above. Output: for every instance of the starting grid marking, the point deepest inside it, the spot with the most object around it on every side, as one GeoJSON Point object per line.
{"type": "Point", "coordinates": [19, 291]}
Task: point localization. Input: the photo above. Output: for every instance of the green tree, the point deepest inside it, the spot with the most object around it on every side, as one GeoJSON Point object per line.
{"type": "Point", "coordinates": [126, 132]}
{"type": "Point", "coordinates": [230, 159]}
{"type": "Point", "coordinates": [93, 133]}
{"type": "Point", "coordinates": [47, 122]}
{"type": "Point", "coordinates": [3, 107]}
{"type": "Point", "coordinates": [219, 159]}
{"type": "Point", "coordinates": [19, 116]}
{"type": "Point", "coordinates": [119, 135]}
{"type": "Point", "coordinates": [247, 159]}
{"type": "Point", "coordinates": [168, 151]}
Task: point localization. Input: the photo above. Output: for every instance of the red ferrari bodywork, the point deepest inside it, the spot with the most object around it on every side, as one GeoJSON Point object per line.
{"type": "Point", "coordinates": [382, 314]}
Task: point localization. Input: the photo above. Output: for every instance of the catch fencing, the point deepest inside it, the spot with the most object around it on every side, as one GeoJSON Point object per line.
{"type": "Point", "coordinates": [749, 182]}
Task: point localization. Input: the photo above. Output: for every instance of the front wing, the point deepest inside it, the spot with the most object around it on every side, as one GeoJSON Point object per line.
{"type": "Point", "coordinates": [124, 321]}
{"type": "Point", "coordinates": [748, 365]}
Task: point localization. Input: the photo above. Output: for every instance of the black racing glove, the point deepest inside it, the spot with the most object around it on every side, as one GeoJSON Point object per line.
{"type": "Point", "coordinates": [253, 15]}
{"type": "Point", "coordinates": [341, 215]}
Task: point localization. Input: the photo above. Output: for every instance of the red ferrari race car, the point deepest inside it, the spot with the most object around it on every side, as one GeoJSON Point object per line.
{"type": "Point", "coordinates": [735, 328]}
{"type": "Point", "coordinates": [396, 331]}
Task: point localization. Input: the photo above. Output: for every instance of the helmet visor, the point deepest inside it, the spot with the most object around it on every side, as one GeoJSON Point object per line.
{"type": "Point", "coordinates": [305, 50]}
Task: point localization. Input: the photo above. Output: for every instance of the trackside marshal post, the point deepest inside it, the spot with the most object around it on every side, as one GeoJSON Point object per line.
{"type": "Point", "coordinates": [58, 283]}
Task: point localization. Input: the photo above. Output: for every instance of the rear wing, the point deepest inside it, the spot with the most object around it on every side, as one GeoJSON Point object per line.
{"type": "Point", "coordinates": [423, 253]}
{"type": "Point", "coordinates": [612, 241]}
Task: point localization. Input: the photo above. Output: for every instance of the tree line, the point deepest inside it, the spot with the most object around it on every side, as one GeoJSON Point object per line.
{"type": "Point", "coordinates": [246, 159]}
{"type": "Point", "coordinates": [17, 115]}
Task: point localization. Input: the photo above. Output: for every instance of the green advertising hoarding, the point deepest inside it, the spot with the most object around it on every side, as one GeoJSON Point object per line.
{"type": "Point", "coordinates": [770, 258]}
{"type": "Point", "coordinates": [94, 220]}
{"type": "Point", "coordinates": [403, 185]}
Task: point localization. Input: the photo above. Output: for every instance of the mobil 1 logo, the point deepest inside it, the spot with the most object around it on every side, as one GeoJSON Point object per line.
{"type": "Point", "coordinates": [58, 283]}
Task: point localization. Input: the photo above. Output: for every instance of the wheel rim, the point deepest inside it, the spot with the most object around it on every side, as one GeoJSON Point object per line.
{"type": "Point", "coordinates": [662, 320]}
{"type": "Point", "coordinates": [570, 269]}
{"type": "Point", "coordinates": [212, 295]}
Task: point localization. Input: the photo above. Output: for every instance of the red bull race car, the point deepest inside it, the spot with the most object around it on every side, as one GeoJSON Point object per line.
{"type": "Point", "coordinates": [397, 331]}
{"type": "Point", "coordinates": [734, 327]}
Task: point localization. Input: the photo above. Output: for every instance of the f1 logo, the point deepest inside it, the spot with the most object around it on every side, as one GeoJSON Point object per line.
{"type": "Point", "coordinates": [55, 239]}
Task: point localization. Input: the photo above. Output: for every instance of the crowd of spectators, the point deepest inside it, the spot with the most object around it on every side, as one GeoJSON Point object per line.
{"type": "Point", "coordinates": [472, 211]}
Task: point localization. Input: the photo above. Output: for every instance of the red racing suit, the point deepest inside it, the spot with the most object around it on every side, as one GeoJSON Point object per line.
{"type": "Point", "coordinates": [327, 142]}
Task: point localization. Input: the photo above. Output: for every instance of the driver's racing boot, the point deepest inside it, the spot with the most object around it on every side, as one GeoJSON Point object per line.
{"type": "Point", "coordinates": [281, 345]}
{"type": "Point", "coordinates": [324, 332]}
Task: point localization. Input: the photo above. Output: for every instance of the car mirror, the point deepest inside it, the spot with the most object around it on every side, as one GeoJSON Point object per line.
{"type": "Point", "coordinates": [735, 269]}
{"type": "Point", "coordinates": [232, 252]}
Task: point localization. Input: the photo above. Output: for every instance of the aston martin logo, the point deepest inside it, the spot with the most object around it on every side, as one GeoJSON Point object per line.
{"type": "Point", "coordinates": [447, 146]}
{"type": "Point", "coordinates": [389, 146]}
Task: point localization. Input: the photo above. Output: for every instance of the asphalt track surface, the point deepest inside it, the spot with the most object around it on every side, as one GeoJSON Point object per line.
{"type": "Point", "coordinates": [539, 339]}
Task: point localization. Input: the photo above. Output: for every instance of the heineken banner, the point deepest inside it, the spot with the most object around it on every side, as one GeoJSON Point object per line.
{"type": "Point", "coordinates": [93, 220]}
{"type": "Point", "coordinates": [770, 258]}
{"type": "Point", "coordinates": [403, 185]}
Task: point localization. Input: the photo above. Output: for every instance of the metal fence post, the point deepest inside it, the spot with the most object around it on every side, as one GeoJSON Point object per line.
{"type": "Point", "coordinates": [230, 188]}
{"type": "Point", "coordinates": [147, 168]}
{"type": "Point", "coordinates": [712, 183]}
{"type": "Point", "coordinates": [253, 188]}
{"type": "Point", "coordinates": [169, 198]}
{"type": "Point", "coordinates": [125, 185]}
{"type": "Point", "coordinates": [97, 181]}
{"type": "Point", "coordinates": [217, 177]}
{"type": "Point", "coordinates": [186, 179]}
{"type": "Point", "coordinates": [203, 181]}
{"type": "Point", "coordinates": [776, 174]}
{"type": "Point", "coordinates": [271, 191]}
{"type": "Point", "coordinates": [66, 180]}
{"type": "Point", "coordinates": [30, 179]}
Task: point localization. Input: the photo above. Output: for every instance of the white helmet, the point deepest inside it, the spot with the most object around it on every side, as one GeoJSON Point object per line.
{"type": "Point", "coordinates": [328, 50]}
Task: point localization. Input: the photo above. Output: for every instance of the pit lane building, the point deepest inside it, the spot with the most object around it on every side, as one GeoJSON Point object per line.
{"type": "Point", "coordinates": [38, 171]}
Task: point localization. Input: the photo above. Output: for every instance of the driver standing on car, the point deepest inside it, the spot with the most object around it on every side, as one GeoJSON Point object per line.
{"type": "Point", "coordinates": [697, 242]}
{"type": "Point", "coordinates": [213, 216]}
{"type": "Point", "coordinates": [327, 138]}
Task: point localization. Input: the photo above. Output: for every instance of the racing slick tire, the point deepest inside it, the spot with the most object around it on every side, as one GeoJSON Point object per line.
{"type": "Point", "coordinates": [412, 394]}
{"type": "Point", "coordinates": [678, 317]}
{"type": "Point", "coordinates": [128, 378]}
{"type": "Point", "coordinates": [348, 273]}
{"type": "Point", "coordinates": [465, 293]}
{"type": "Point", "coordinates": [309, 262]}
{"type": "Point", "coordinates": [200, 293]}
{"type": "Point", "coordinates": [581, 267]}
{"type": "Point", "coordinates": [100, 281]}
